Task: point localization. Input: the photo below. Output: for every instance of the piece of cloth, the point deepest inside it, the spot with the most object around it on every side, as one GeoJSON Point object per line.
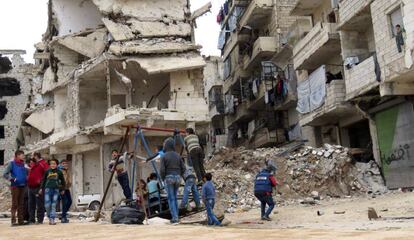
{"type": "Point", "coordinates": [197, 159]}
{"type": "Point", "coordinates": [68, 178]}
{"type": "Point", "coordinates": [124, 182]}
{"type": "Point", "coordinates": [192, 142]}
{"type": "Point", "coordinates": [66, 203]}
{"type": "Point", "coordinates": [211, 217]}
{"type": "Point", "coordinates": [53, 178]}
{"type": "Point", "coordinates": [221, 40]}
{"type": "Point", "coordinates": [16, 173]}
{"type": "Point", "coordinates": [377, 68]}
{"type": "Point", "coordinates": [172, 183]}
{"type": "Point", "coordinates": [171, 163]}
{"type": "Point", "coordinates": [255, 88]}
{"type": "Point", "coordinates": [120, 167]}
{"type": "Point", "coordinates": [36, 173]}
{"type": "Point", "coordinates": [51, 198]}
{"type": "Point", "coordinates": [208, 191]}
{"type": "Point", "coordinates": [153, 189]}
{"type": "Point", "coordinates": [190, 187]}
{"type": "Point", "coordinates": [36, 205]}
{"type": "Point", "coordinates": [17, 209]}
{"type": "Point", "coordinates": [265, 200]}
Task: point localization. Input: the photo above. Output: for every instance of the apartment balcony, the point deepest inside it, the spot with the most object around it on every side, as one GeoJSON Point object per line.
{"type": "Point", "coordinates": [242, 113]}
{"type": "Point", "coordinates": [306, 7]}
{"type": "Point", "coordinates": [234, 78]}
{"type": "Point", "coordinates": [259, 102]}
{"type": "Point", "coordinates": [320, 44]}
{"type": "Point", "coordinates": [263, 49]}
{"type": "Point", "coordinates": [333, 109]}
{"type": "Point", "coordinates": [216, 109]}
{"type": "Point", "coordinates": [267, 138]}
{"type": "Point", "coordinates": [257, 13]}
{"type": "Point", "coordinates": [361, 78]}
{"type": "Point", "coordinates": [354, 14]}
{"type": "Point", "coordinates": [234, 39]}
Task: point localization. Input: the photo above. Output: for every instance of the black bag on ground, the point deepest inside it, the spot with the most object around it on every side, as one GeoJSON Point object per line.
{"type": "Point", "coordinates": [127, 215]}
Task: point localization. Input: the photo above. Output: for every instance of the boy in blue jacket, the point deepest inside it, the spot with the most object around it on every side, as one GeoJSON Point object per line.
{"type": "Point", "coordinates": [16, 173]}
{"type": "Point", "coordinates": [208, 194]}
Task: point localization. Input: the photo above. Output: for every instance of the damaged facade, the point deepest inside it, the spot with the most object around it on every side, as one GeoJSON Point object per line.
{"type": "Point", "coordinates": [259, 93]}
{"type": "Point", "coordinates": [15, 89]}
{"type": "Point", "coordinates": [106, 64]}
{"type": "Point", "coordinates": [348, 72]}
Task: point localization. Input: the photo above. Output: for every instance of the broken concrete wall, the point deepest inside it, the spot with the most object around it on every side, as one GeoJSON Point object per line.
{"type": "Point", "coordinates": [15, 90]}
{"type": "Point", "coordinates": [75, 15]}
{"type": "Point", "coordinates": [92, 173]}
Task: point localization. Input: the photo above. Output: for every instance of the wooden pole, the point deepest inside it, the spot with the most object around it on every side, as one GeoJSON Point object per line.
{"type": "Point", "coordinates": [121, 148]}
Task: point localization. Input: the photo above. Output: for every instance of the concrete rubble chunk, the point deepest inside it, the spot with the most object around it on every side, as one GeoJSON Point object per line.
{"type": "Point", "coordinates": [42, 120]}
{"type": "Point", "coordinates": [159, 29]}
{"type": "Point", "coordinates": [151, 47]}
{"type": "Point", "coordinates": [118, 31]}
{"type": "Point", "coordinates": [90, 45]}
{"type": "Point", "coordinates": [154, 65]}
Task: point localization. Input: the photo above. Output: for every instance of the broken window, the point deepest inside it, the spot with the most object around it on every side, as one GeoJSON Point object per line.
{"type": "Point", "coordinates": [9, 87]}
{"type": "Point", "coordinates": [1, 132]}
{"type": "Point", "coordinates": [1, 157]}
{"type": "Point", "coordinates": [3, 110]}
{"type": "Point", "coordinates": [5, 64]}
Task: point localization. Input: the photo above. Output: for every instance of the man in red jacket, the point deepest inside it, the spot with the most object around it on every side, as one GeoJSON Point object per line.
{"type": "Point", "coordinates": [38, 167]}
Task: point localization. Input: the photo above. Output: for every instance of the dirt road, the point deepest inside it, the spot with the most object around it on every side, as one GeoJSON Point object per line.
{"type": "Point", "coordinates": [294, 222]}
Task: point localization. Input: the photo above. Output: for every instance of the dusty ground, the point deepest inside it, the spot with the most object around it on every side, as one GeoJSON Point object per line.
{"type": "Point", "coordinates": [294, 222]}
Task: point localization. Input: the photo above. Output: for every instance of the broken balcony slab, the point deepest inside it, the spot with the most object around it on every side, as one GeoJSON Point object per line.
{"type": "Point", "coordinates": [151, 47]}
{"type": "Point", "coordinates": [154, 10]}
{"type": "Point", "coordinates": [90, 45]}
{"type": "Point", "coordinates": [42, 120]}
{"type": "Point", "coordinates": [119, 32]}
{"type": "Point", "coordinates": [165, 64]}
{"type": "Point", "coordinates": [159, 29]}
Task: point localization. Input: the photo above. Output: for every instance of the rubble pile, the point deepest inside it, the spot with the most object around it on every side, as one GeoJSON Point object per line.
{"type": "Point", "coordinates": [5, 196]}
{"type": "Point", "coordinates": [306, 175]}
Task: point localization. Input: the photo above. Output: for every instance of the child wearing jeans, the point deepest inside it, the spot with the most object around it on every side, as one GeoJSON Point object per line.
{"type": "Point", "coordinates": [208, 193]}
{"type": "Point", "coordinates": [53, 183]}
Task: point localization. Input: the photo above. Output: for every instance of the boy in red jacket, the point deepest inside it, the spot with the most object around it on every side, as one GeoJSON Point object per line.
{"type": "Point", "coordinates": [38, 167]}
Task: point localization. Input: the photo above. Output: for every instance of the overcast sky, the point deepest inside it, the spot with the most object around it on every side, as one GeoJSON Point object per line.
{"type": "Point", "coordinates": [22, 23]}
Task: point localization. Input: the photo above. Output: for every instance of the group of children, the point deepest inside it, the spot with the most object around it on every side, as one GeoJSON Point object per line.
{"type": "Point", "coordinates": [43, 183]}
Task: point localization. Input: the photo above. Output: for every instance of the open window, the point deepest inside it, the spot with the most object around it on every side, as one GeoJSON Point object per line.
{"type": "Point", "coordinates": [395, 18]}
{"type": "Point", "coordinates": [1, 157]}
{"type": "Point", "coordinates": [2, 135]}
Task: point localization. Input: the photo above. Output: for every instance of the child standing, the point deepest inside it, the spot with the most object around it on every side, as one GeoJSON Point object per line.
{"type": "Point", "coordinates": [53, 183]}
{"type": "Point", "coordinates": [16, 173]}
{"type": "Point", "coordinates": [208, 193]}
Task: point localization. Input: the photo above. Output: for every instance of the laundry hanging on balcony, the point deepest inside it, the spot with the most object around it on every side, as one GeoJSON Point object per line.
{"type": "Point", "coordinates": [221, 40]}
{"type": "Point", "coordinates": [312, 92]}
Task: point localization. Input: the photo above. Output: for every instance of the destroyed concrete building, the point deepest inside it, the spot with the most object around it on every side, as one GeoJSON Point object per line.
{"type": "Point", "coordinates": [259, 95]}
{"type": "Point", "coordinates": [106, 64]}
{"type": "Point", "coordinates": [15, 89]}
{"type": "Point", "coordinates": [348, 72]}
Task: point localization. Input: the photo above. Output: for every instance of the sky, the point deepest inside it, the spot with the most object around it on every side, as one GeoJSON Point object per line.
{"type": "Point", "coordinates": [22, 23]}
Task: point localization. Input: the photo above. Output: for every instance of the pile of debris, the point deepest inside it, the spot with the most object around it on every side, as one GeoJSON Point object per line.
{"type": "Point", "coordinates": [306, 175]}
{"type": "Point", "coordinates": [5, 196]}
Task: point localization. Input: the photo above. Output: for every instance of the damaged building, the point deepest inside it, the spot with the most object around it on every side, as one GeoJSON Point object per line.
{"type": "Point", "coordinates": [107, 64]}
{"type": "Point", "coordinates": [259, 93]}
{"type": "Point", "coordinates": [15, 90]}
{"type": "Point", "coordinates": [347, 71]}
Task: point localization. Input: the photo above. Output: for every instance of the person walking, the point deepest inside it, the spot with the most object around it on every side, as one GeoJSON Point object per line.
{"type": "Point", "coordinates": [263, 189]}
{"type": "Point", "coordinates": [208, 193]}
{"type": "Point", "coordinates": [171, 168]}
{"type": "Point", "coordinates": [16, 173]}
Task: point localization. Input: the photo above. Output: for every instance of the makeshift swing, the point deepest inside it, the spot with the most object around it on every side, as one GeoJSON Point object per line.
{"type": "Point", "coordinates": [139, 136]}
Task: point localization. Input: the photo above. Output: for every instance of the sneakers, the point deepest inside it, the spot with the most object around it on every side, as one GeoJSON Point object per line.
{"type": "Point", "coordinates": [52, 222]}
{"type": "Point", "coordinates": [65, 220]}
{"type": "Point", "coordinates": [266, 218]}
{"type": "Point", "coordinates": [174, 222]}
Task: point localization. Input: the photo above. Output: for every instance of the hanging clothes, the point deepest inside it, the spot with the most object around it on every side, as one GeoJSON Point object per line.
{"type": "Point", "coordinates": [226, 8]}
{"type": "Point", "coordinates": [255, 89]}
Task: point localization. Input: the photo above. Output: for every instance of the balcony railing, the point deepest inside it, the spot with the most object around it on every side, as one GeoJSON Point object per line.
{"type": "Point", "coordinates": [257, 13]}
{"type": "Point", "coordinates": [263, 49]}
{"type": "Point", "coordinates": [320, 43]}
{"type": "Point", "coordinates": [360, 78]}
